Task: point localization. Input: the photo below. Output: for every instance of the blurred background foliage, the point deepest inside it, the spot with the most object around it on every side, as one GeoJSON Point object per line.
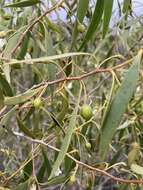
{"type": "Point", "coordinates": [70, 95]}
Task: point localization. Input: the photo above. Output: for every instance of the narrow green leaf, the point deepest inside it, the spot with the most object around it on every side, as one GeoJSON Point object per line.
{"type": "Point", "coordinates": [81, 12]}
{"type": "Point", "coordinates": [24, 129]}
{"type": "Point", "coordinates": [5, 86]}
{"type": "Point", "coordinates": [27, 170]}
{"type": "Point", "coordinates": [24, 46]}
{"type": "Point", "coordinates": [24, 3]}
{"type": "Point", "coordinates": [22, 186]}
{"type": "Point", "coordinates": [50, 68]}
{"type": "Point", "coordinates": [65, 105]}
{"type": "Point", "coordinates": [66, 140]}
{"type": "Point", "coordinates": [1, 99]}
{"type": "Point", "coordinates": [49, 58]}
{"type": "Point", "coordinates": [118, 106]}
{"type": "Point", "coordinates": [137, 169]}
{"type": "Point", "coordinates": [4, 123]}
{"type": "Point", "coordinates": [12, 41]}
{"type": "Point", "coordinates": [95, 20]}
{"type": "Point", "coordinates": [41, 172]}
{"type": "Point", "coordinates": [52, 25]}
{"type": "Point", "coordinates": [21, 98]}
{"type": "Point", "coordinates": [126, 6]}
{"type": "Point", "coordinates": [56, 181]}
{"type": "Point", "coordinates": [107, 15]}
{"type": "Point", "coordinates": [46, 161]}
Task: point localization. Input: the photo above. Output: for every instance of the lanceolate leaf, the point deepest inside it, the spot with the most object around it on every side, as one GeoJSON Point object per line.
{"type": "Point", "coordinates": [107, 15]}
{"type": "Point", "coordinates": [137, 169]}
{"type": "Point", "coordinates": [66, 141]}
{"type": "Point", "coordinates": [12, 41]}
{"type": "Point", "coordinates": [24, 129]}
{"type": "Point", "coordinates": [50, 68]}
{"type": "Point", "coordinates": [4, 123]}
{"type": "Point", "coordinates": [126, 6]}
{"type": "Point", "coordinates": [49, 58]}
{"type": "Point", "coordinates": [81, 12]}
{"type": "Point", "coordinates": [22, 186]}
{"type": "Point", "coordinates": [1, 99]}
{"type": "Point", "coordinates": [5, 86]}
{"type": "Point", "coordinates": [24, 46]}
{"type": "Point", "coordinates": [21, 97]}
{"type": "Point", "coordinates": [23, 3]}
{"type": "Point", "coordinates": [96, 18]}
{"type": "Point", "coordinates": [118, 106]}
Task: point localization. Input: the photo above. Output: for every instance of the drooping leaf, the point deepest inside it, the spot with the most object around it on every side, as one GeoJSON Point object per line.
{"type": "Point", "coordinates": [46, 161]}
{"type": "Point", "coordinates": [27, 170]}
{"type": "Point", "coordinates": [49, 58]}
{"type": "Point", "coordinates": [65, 105]}
{"type": "Point", "coordinates": [134, 153]}
{"type": "Point", "coordinates": [137, 169]}
{"type": "Point", "coordinates": [95, 20]}
{"type": "Point", "coordinates": [41, 172]}
{"type": "Point", "coordinates": [4, 123]}
{"type": "Point", "coordinates": [21, 98]}
{"type": "Point", "coordinates": [12, 41]}
{"type": "Point", "coordinates": [24, 128]}
{"type": "Point", "coordinates": [24, 46]}
{"type": "Point", "coordinates": [22, 186]}
{"type": "Point", "coordinates": [66, 140]}
{"type": "Point", "coordinates": [5, 86]}
{"type": "Point", "coordinates": [1, 99]}
{"type": "Point", "coordinates": [56, 181]}
{"type": "Point", "coordinates": [118, 106]}
{"type": "Point", "coordinates": [81, 12]}
{"type": "Point", "coordinates": [23, 3]}
{"type": "Point", "coordinates": [51, 68]}
{"type": "Point", "coordinates": [126, 6]}
{"type": "Point", "coordinates": [107, 15]}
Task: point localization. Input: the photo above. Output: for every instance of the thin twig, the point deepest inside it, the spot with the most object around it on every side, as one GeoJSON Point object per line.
{"type": "Point", "coordinates": [103, 172]}
{"type": "Point", "coordinates": [29, 28]}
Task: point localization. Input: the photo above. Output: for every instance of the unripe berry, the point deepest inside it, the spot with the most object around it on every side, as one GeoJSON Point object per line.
{"type": "Point", "coordinates": [80, 27]}
{"type": "Point", "coordinates": [86, 112]}
{"type": "Point", "coordinates": [88, 145]}
{"type": "Point", "coordinates": [72, 179]}
{"type": "Point", "coordinates": [37, 103]}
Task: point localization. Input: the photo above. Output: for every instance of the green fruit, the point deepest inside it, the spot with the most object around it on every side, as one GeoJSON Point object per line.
{"type": "Point", "coordinates": [81, 27]}
{"type": "Point", "coordinates": [72, 179]}
{"type": "Point", "coordinates": [86, 112]}
{"type": "Point", "coordinates": [37, 103]}
{"type": "Point", "coordinates": [7, 16]}
{"type": "Point", "coordinates": [88, 145]}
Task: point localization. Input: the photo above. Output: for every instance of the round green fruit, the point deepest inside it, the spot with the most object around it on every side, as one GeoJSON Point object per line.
{"type": "Point", "coordinates": [81, 27]}
{"type": "Point", "coordinates": [7, 16]}
{"type": "Point", "coordinates": [72, 179]}
{"type": "Point", "coordinates": [37, 103]}
{"type": "Point", "coordinates": [88, 145]}
{"type": "Point", "coordinates": [86, 112]}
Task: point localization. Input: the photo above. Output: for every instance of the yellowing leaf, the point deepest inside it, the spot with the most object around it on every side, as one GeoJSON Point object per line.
{"type": "Point", "coordinates": [137, 169]}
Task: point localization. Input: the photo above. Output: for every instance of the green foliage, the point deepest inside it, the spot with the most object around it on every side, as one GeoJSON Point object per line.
{"type": "Point", "coordinates": [70, 95]}
{"type": "Point", "coordinates": [119, 105]}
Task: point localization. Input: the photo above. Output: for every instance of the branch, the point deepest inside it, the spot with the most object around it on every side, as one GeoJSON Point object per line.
{"type": "Point", "coordinates": [103, 172]}
{"type": "Point", "coordinates": [57, 5]}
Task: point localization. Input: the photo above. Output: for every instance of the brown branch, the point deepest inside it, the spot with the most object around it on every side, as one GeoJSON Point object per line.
{"type": "Point", "coordinates": [68, 79]}
{"type": "Point", "coordinates": [103, 172]}
{"type": "Point", "coordinates": [57, 5]}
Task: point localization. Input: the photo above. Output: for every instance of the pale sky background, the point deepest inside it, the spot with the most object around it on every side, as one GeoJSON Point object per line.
{"type": "Point", "coordinates": [137, 8]}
